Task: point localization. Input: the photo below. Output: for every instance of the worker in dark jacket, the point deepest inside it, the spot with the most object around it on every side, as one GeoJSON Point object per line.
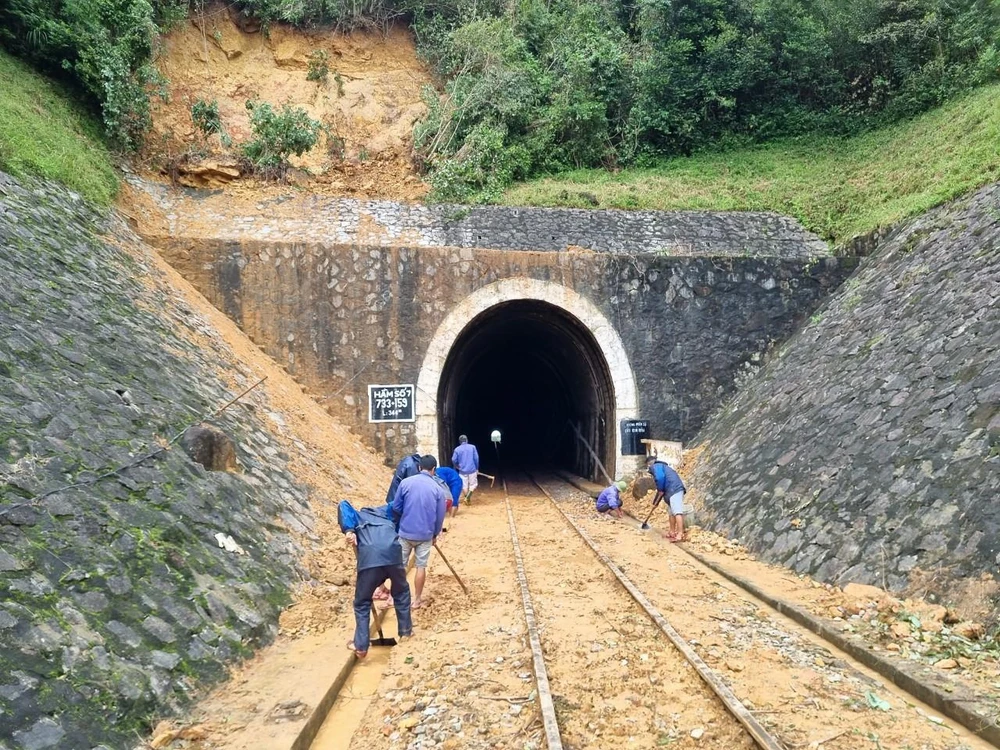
{"type": "Point", "coordinates": [408, 467]}
{"type": "Point", "coordinates": [372, 532]}
{"type": "Point", "coordinates": [670, 486]}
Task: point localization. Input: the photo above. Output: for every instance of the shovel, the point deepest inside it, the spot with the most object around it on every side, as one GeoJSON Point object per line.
{"type": "Point", "coordinates": [656, 501]}
{"type": "Point", "coordinates": [381, 640]}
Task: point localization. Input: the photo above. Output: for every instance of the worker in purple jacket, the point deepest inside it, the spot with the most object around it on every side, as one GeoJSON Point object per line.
{"type": "Point", "coordinates": [610, 500]}
{"type": "Point", "coordinates": [466, 460]}
{"type": "Point", "coordinates": [419, 509]}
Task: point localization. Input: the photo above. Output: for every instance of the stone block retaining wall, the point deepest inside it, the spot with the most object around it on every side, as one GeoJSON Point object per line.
{"type": "Point", "coordinates": [116, 598]}
{"type": "Point", "coordinates": [869, 446]}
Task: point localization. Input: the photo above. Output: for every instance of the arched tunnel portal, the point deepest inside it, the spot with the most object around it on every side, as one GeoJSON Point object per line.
{"type": "Point", "coordinates": [532, 363]}
{"type": "Point", "coordinates": [530, 370]}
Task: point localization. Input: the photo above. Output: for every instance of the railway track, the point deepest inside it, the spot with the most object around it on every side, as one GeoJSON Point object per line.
{"type": "Point", "coordinates": [594, 636]}
{"type": "Point", "coordinates": [809, 695]}
{"type": "Point", "coordinates": [630, 645]}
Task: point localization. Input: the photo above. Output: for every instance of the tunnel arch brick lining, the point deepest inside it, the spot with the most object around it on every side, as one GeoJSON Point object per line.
{"type": "Point", "coordinates": [509, 290]}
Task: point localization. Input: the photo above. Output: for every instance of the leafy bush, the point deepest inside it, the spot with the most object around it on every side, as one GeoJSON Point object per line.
{"type": "Point", "coordinates": [482, 169]}
{"type": "Point", "coordinates": [573, 83]}
{"type": "Point", "coordinates": [318, 67]}
{"type": "Point", "coordinates": [344, 14]}
{"type": "Point", "coordinates": [205, 116]}
{"type": "Point", "coordinates": [276, 136]}
{"type": "Point", "coordinates": [102, 46]}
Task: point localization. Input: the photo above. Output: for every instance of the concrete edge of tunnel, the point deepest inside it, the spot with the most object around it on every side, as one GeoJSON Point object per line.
{"type": "Point", "coordinates": [910, 681]}
{"type": "Point", "coordinates": [309, 731]}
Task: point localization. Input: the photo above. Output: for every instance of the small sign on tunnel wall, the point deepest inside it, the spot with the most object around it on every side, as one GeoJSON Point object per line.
{"type": "Point", "coordinates": [391, 403]}
{"type": "Point", "coordinates": [634, 431]}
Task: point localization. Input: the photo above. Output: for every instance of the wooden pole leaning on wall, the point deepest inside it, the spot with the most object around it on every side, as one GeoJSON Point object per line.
{"type": "Point", "coordinates": [583, 440]}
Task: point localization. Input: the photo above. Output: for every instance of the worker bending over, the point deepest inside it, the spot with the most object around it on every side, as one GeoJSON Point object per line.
{"type": "Point", "coordinates": [670, 486]}
{"type": "Point", "coordinates": [372, 533]}
{"type": "Point", "coordinates": [453, 481]}
{"type": "Point", "coordinates": [610, 500]}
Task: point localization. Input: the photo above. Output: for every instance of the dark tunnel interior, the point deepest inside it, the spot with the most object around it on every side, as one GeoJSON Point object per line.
{"type": "Point", "coordinates": [530, 370]}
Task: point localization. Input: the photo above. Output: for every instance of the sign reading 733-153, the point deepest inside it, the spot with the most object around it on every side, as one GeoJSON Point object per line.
{"type": "Point", "coordinates": [391, 403]}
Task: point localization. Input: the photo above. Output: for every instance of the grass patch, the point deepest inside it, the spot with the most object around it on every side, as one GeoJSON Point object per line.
{"type": "Point", "coordinates": [44, 132]}
{"type": "Point", "coordinates": [837, 187]}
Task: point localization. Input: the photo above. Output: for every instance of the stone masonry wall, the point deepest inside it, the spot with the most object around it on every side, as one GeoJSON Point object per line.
{"type": "Point", "coordinates": [341, 317]}
{"type": "Point", "coordinates": [320, 219]}
{"type": "Point", "coordinates": [116, 599]}
{"type": "Point", "coordinates": [869, 447]}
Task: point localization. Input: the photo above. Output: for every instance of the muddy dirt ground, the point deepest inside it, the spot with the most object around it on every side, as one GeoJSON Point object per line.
{"type": "Point", "coordinates": [804, 692]}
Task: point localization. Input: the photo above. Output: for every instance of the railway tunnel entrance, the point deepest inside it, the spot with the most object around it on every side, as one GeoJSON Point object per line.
{"type": "Point", "coordinates": [532, 371]}
{"type": "Point", "coordinates": [530, 358]}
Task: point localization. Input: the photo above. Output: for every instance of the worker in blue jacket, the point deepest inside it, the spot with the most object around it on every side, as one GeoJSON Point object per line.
{"type": "Point", "coordinates": [453, 480]}
{"type": "Point", "coordinates": [406, 468]}
{"type": "Point", "coordinates": [670, 486]}
{"type": "Point", "coordinates": [372, 533]}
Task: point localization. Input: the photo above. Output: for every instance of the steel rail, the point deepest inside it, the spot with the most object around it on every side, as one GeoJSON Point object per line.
{"type": "Point", "coordinates": [760, 735]}
{"type": "Point", "coordinates": [545, 703]}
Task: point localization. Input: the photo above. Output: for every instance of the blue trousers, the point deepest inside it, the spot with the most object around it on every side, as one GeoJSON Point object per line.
{"type": "Point", "coordinates": [369, 579]}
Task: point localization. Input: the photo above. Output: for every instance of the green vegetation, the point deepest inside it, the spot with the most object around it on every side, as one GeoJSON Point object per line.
{"type": "Point", "coordinates": [276, 136]}
{"type": "Point", "coordinates": [102, 47]}
{"type": "Point", "coordinates": [205, 116]}
{"type": "Point", "coordinates": [538, 86]}
{"type": "Point", "coordinates": [343, 14]}
{"type": "Point", "coordinates": [319, 66]}
{"type": "Point", "coordinates": [43, 132]}
{"type": "Point", "coordinates": [837, 187]}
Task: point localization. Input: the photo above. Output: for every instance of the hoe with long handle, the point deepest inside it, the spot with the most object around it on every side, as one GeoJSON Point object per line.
{"type": "Point", "coordinates": [465, 590]}
{"type": "Point", "coordinates": [656, 501]}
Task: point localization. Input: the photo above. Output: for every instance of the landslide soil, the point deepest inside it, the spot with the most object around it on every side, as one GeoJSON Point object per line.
{"type": "Point", "coordinates": [322, 453]}
{"type": "Point", "coordinates": [368, 101]}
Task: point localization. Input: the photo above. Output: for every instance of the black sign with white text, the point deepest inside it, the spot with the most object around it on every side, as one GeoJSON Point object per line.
{"type": "Point", "coordinates": [633, 432]}
{"type": "Point", "coordinates": [391, 403]}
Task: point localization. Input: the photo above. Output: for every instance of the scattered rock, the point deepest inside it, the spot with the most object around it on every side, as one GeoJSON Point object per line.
{"type": "Point", "coordinates": [971, 630]}
{"type": "Point", "coordinates": [211, 447]}
{"type": "Point", "coordinates": [208, 174]}
{"type": "Point", "coordinates": [864, 592]}
{"type": "Point", "coordinates": [900, 629]}
{"type": "Point", "coordinates": [946, 664]}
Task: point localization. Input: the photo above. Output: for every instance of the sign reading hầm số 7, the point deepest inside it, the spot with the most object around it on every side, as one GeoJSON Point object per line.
{"type": "Point", "coordinates": [391, 403]}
